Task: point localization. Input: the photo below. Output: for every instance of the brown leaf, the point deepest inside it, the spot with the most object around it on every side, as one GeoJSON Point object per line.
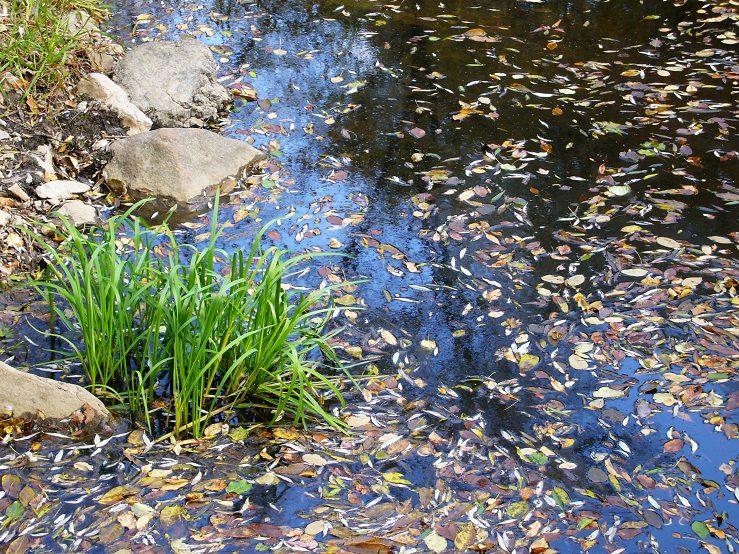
{"type": "Point", "coordinates": [339, 175]}
{"type": "Point", "coordinates": [674, 445]}
{"type": "Point", "coordinates": [11, 485]}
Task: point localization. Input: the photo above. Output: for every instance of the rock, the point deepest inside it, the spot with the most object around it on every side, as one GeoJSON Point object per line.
{"type": "Point", "coordinates": [100, 50]}
{"type": "Point", "coordinates": [103, 56]}
{"type": "Point", "coordinates": [61, 190]}
{"type": "Point", "coordinates": [25, 395]}
{"type": "Point", "coordinates": [4, 218]}
{"type": "Point", "coordinates": [174, 83]}
{"type": "Point", "coordinates": [18, 192]}
{"type": "Point", "coordinates": [100, 87]}
{"type": "Point", "coordinates": [44, 157]}
{"type": "Point", "coordinates": [178, 164]}
{"type": "Point", "coordinates": [79, 213]}
{"type": "Point", "coordinates": [82, 25]}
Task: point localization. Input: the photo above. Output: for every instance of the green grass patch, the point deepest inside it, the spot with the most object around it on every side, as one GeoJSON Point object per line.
{"type": "Point", "coordinates": [37, 47]}
{"type": "Point", "coordinates": [207, 330]}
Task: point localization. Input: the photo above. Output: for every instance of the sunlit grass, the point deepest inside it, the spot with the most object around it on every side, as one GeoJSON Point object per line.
{"type": "Point", "coordinates": [36, 46]}
{"type": "Point", "coordinates": [207, 330]}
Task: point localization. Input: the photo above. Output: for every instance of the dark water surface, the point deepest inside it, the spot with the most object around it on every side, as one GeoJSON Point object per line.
{"type": "Point", "coordinates": [541, 198]}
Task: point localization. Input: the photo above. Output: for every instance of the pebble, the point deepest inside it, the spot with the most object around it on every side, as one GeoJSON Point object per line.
{"type": "Point", "coordinates": [19, 193]}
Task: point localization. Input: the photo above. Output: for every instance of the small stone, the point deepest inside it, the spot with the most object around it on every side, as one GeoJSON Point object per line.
{"type": "Point", "coordinates": [79, 213]}
{"type": "Point", "coordinates": [61, 190]}
{"type": "Point", "coordinates": [44, 157]}
{"type": "Point", "coordinates": [115, 99]}
{"type": "Point", "coordinates": [4, 218]}
{"type": "Point", "coordinates": [18, 192]}
{"type": "Point", "coordinates": [100, 60]}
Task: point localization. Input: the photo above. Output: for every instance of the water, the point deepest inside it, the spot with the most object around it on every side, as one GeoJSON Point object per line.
{"type": "Point", "coordinates": [485, 166]}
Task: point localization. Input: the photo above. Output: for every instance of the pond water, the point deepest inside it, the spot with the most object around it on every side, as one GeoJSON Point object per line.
{"type": "Point", "coordinates": [541, 199]}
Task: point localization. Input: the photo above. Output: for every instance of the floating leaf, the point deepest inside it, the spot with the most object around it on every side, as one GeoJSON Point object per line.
{"type": "Point", "coordinates": [561, 497]}
{"type": "Point", "coordinates": [238, 434]}
{"type": "Point", "coordinates": [15, 510]}
{"type": "Point", "coordinates": [517, 509]}
{"type": "Point", "coordinates": [608, 392]}
{"type": "Point", "coordinates": [700, 529]}
{"type": "Point", "coordinates": [619, 190]}
{"type": "Point", "coordinates": [239, 487]}
{"type": "Point", "coordinates": [314, 460]}
{"type": "Point", "coordinates": [668, 242]}
{"type": "Point", "coordinates": [635, 272]}
{"type": "Point", "coordinates": [577, 362]}
{"type": "Point", "coordinates": [527, 362]}
{"type": "Point", "coordinates": [170, 515]}
{"type": "Point", "coordinates": [435, 543]}
{"type": "Point", "coordinates": [466, 536]}
{"type": "Point", "coordinates": [396, 478]}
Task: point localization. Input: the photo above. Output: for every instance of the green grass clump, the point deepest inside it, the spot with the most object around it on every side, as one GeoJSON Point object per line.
{"type": "Point", "coordinates": [209, 331]}
{"type": "Point", "coordinates": [36, 46]}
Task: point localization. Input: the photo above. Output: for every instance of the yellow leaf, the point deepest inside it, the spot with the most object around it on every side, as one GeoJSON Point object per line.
{"type": "Point", "coordinates": [428, 344]}
{"type": "Point", "coordinates": [267, 479]}
{"type": "Point", "coordinates": [286, 434]}
{"type": "Point", "coordinates": [435, 543]}
{"type": "Point", "coordinates": [315, 527]}
{"type": "Point", "coordinates": [314, 460]}
{"type": "Point", "coordinates": [346, 300]}
{"type": "Point", "coordinates": [527, 361]}
{"type": "Point", "coordinates": [664, 398]}
{"type": "Point", "coordinates": [608, 392]}
{"type": "Point", "coordinates": [668, 242]}
{"type": "Point", "coordinates": [466, 536]}
{"type": "Point", "coordinates": [396, 478]}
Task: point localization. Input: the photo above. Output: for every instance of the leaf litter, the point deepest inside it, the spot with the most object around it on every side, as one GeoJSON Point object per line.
{"type": "Point", "coordinates": [552, 305]}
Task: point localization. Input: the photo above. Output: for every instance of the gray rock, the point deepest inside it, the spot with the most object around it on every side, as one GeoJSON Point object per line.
{"type": "Point", "coordinates": [115, 99]}
{"type": "Point", "coordinates": [82, 25]}
{"type": "Point", "coordinates": [103, 58]}
{"type": "Point", "coordinates": [44, 157]}
{"type": "Point", "coordinates": [62, 189]}
{"type": "Point", "coordinates": [174, 83]}
{"type": "Point", "coordinates": [79, 213]}
{"type": "Point", "coordinates": [178, 164]}
{"type": "Point", "coordinates": [25, 395]}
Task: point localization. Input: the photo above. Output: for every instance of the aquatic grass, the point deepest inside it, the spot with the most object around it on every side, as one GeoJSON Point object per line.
{"type": "Point", "coordinates": [207, 330]}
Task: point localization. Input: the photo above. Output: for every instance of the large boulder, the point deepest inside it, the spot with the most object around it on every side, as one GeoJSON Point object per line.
{"type": "Point", "coordinates": [115, 99]}
{"type": "Point", "coordinates": [28, 396]}
{"type": "Point", "coordinates": [174, 83]}
{"type": "Point", "coordinates": [184, 165]}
